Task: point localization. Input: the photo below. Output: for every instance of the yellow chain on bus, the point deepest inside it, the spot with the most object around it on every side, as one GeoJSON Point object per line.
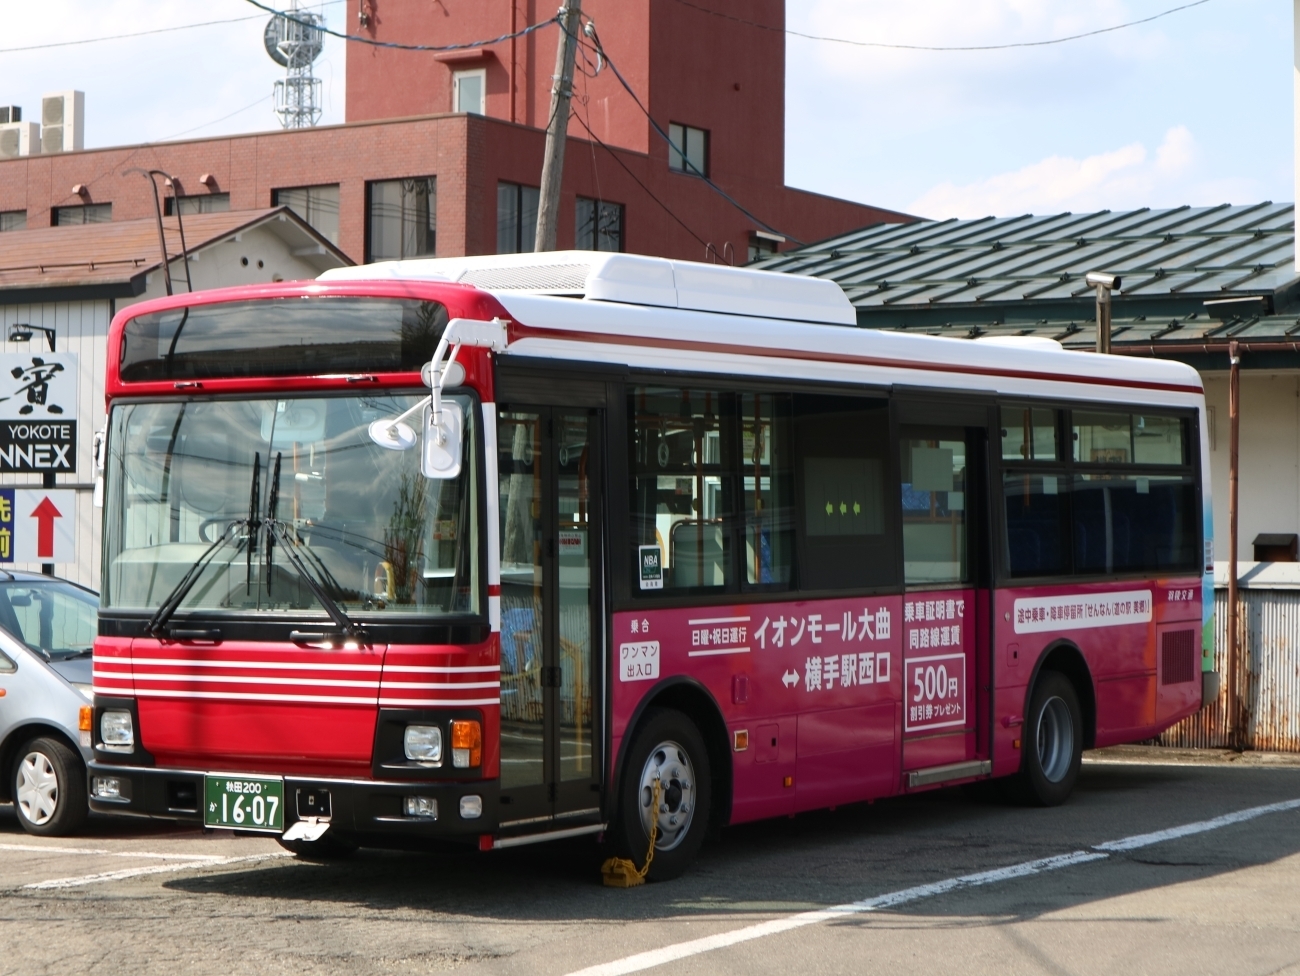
{"type": "Point", "coordinates": [619, 872]}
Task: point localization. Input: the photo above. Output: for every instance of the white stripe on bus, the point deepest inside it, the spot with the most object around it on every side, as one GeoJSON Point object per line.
{"type": "Point", "coordinates": [421, 685]}
{"type": "Point", "coordinates": [268, 665]}
{"type": "Point", "coordinates": [719, 620]}
{"type": "Point", "coordinates": [251, 696]}
{"type": "Point", "coordinates": [439, 701]}
{"type": "Point", "coordinates": [725, 650]}
{"type": "Point", "coordinates": [249, 680]}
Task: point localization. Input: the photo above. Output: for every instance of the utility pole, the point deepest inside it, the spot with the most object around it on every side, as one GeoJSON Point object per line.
{"type": "Point", "coordinates": [548, 206]}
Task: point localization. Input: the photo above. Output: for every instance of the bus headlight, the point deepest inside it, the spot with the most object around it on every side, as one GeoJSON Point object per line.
{"type": "Point", "coordinates": [116, 731]}
{"type": "Point", "coordinates": [423, 743]}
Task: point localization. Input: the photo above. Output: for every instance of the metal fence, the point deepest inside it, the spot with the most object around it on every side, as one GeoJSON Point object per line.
{"type": "Point", "coordinates": [1269, 681]}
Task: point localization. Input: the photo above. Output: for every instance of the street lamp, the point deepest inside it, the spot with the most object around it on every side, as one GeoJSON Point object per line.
{"type": "Point", "coordinates": [22, 332]}
{"type": "Point", "coordinates": [1105, 284]}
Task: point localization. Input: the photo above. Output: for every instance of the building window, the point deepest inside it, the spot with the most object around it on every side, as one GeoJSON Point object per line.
{"type": "Point", "coordinates": [516, 217]}
{"type": "Point", "coordinates": [13, 220]}
{"type": "Point", "coordinates": [689, 152]}
{"type": "Point", "coordinates": [599, 225]}
{"type": "Point", "coordinates": [469, 91]}
{"type": "Point", "coordinates": [197, 204]}
{"type": "Point", "coordinates": [762, 244]}
{"type": "Point", "coordinates": [89, 213]}
{"type": "Point", "coordinates": [403, 218]}
{"type": "Point", "coordinates": [318, 205]}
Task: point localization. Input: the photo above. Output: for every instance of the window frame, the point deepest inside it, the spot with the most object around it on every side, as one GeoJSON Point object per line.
{"type": "Point", "coordinates": [597, 206]}
{"type": "Point", "coordinates": [681, 154]}
{"type": "Point", "coordinates": [105, 207]}
{"type": "Point", "coordinates": [1068, 469]}
{"type": "Point", "coordinates": [456, 77]}
{"type": "Point", "coordinates": [518, 190]}
{"type": "Point", "coordinates": [306, 217]}
{"type": "Point", "coordinates": [431, 183]}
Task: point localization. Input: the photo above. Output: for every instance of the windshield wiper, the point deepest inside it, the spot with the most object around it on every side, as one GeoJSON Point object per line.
{"type": "Point", "coordinates": [288, 540]}
{"type": "Point", "coordinates": [181, 590]}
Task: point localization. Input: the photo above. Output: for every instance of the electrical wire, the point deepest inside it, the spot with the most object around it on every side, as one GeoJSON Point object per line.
{"type": "Point", "coordinates": [157, 30]}
{"type": "Point", "coordinates": [927, 47]}
{"type": "Point", "coordinates": [650, 193]}
{"type": "Point", "coordinates": [238, 111]}
{"type": "Point", "coordinates": [600, 50]}
{"type": "Point", "coordinates": [358, 39]}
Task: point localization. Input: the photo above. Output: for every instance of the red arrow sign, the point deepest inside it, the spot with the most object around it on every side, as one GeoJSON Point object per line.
{"type": "Point", "coordinates": [45, 515]}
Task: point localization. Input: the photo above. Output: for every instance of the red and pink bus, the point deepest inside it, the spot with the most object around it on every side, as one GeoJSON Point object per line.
{"type": "Point", "coordinates": [500, 549]}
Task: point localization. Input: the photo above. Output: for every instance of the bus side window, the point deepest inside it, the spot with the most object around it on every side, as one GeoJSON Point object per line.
{"type": "Point", "coordinates": [842, 455]}
{"type": "Point", "coordinates": [682, 489]}
{"type": "Point", "coordinates": [933, 464]}
{"type": "Point", "coordinates": [767, 489]}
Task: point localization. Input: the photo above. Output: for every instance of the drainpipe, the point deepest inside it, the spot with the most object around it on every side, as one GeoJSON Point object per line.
{"type": "Point", "coordinates": [1234, 648]}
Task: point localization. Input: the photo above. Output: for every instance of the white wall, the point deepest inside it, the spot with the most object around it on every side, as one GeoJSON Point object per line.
{"type": "Point", "coordinates": [1269, 476]}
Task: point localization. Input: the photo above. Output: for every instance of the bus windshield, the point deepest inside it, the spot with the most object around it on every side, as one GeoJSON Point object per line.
{"type": "Point", "coordinates": [375, 534]}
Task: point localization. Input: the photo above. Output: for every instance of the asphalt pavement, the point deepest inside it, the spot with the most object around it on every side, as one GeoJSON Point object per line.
{"type": "Point", "coordinates": [1162, 862]}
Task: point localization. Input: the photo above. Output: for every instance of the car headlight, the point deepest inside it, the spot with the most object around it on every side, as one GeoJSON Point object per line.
{"type": "Point", "coordinates": [116, 731]}
{"type": "Point", "coordinates": [423, 743]}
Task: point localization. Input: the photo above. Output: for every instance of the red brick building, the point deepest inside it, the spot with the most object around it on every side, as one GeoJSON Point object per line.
{"type": "Point", "coordinates": [409, 174]}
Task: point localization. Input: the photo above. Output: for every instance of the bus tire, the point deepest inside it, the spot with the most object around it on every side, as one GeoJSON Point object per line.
{"type": "Point", "coordinates": [667, 747]}
{"type": "Point", "coordinates": [1052, 744]}
{"type": "Point", "coordinates": [330, 846]}
{"type": "Point", "coordinates": [49, 788]}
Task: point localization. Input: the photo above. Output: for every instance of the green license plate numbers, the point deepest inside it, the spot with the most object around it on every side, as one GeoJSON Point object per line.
{"type": "Point", "coordinates": [244, 802]}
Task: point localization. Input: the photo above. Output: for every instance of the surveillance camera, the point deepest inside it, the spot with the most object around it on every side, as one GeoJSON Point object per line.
{"type": "Point", "coordinates": [1095, 278]}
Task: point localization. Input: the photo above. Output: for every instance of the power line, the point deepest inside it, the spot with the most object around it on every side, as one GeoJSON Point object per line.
{"type": "Point", "coordinates": [927, 47]}
{"type": "Point", "coordinates": [358, 39]}
{"type": "Point", "coordinates": [666, 138]}
{"type": "Point", "coordinates": [649, 192]}
{"type": "Point", "coordinates": [157, 30]}
{"type": "Point", "coordinates": [238, 111]}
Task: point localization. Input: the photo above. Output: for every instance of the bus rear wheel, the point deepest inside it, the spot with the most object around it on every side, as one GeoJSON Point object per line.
{"type": "Point", "coordinates": [668, 752]}
{"type": "Point", "coordinates": [1052, 745]}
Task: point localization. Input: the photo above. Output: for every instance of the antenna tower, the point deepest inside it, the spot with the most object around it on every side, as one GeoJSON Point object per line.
{"type": "Point", "coordinates": [294, 44]}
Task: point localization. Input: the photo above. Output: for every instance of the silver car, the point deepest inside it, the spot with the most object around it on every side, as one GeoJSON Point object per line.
{"type": "Point", "coordinates": [47, 630]}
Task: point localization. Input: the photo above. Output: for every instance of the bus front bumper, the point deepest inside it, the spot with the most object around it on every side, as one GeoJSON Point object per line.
{"type": "Point", "coordinates": [358, 806]}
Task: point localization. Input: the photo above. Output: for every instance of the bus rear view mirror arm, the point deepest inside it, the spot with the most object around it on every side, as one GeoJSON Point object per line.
{"type": "Point", "coordinates": [443, 423]}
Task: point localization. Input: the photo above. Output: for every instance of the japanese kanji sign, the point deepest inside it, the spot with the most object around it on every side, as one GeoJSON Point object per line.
{"type": "Point", "coordinates": [1036, 615]}
{"type": "Point", "coordinates": [37, 526]}
{"type": "Point", "coordinates": [38, 412]}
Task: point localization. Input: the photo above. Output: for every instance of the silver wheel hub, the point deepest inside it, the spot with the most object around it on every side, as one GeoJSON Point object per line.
{"type": "Point", "coordinates": [38, 788]}
{"type": "Point", "coordinates": [1055, 739]}
{"type": "Point", "coordinates": [669, 765]}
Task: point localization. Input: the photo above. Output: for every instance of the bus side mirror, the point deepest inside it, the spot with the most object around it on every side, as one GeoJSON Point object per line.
{"type": "Point", "coordinates": [440, 449]}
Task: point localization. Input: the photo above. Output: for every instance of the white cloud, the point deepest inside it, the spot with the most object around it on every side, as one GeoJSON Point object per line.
{"type": "Point", "coordinates": [1123, 178]}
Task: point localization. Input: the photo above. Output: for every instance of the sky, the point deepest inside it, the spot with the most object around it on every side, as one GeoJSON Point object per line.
{"type": "Point", "coordinates": [1193, 108]}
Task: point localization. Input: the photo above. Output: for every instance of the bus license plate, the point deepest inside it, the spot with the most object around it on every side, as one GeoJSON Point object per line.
{"type": "Point", "coordinates": [244, 802]}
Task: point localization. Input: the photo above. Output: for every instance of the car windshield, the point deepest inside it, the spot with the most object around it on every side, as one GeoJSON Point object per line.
{"type": "Point", "coordinates": [375, 534]}
{"type": "Point", "coordinates": [54, 619]}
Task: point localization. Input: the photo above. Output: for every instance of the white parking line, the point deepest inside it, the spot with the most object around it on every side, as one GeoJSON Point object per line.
{"type": "Point", "coordinates": [37, 849]}
{"type": "Point", "coordinates": [89, 879]}
{"type": "Point", "coordinates": [682, 950]}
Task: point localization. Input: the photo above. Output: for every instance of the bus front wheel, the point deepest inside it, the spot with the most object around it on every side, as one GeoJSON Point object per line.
{"type": "Point", "coordinates": [1052, 745]}
{"type": "Point", "coordinates": [667, 756]}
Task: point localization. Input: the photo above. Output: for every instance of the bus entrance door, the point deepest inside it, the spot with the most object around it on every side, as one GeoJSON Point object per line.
{"type": "Point", "coordinates": [942, 467]}
{"type": "Point", "coordinates": [549, 520]}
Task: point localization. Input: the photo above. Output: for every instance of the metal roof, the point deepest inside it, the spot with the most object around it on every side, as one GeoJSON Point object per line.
{"type": "Point", "coordinates": [120, 253]}
{"type": "Point", "coordinates": [1001, 269]}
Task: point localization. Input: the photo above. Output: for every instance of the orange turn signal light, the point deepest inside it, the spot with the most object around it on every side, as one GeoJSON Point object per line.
{"type": "Point", "coordinates": [466, 743]}
{"type": "Point", "coordinates": [84, 719]}
{"type": "Point", "coordinates": [741, 740]}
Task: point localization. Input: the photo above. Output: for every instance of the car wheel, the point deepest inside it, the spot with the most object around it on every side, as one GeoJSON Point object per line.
{"type": "Point", "coordinates": [1052, 744]}
{"type": "Point", "coordinates": [49, 788]}
{"type": "Point", "coordinates": [330, 846]}
{"type": "Point", "coordinates": [668, 750]}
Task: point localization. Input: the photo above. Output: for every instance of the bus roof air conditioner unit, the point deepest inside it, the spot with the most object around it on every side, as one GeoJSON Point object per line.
{"type": "Point", "coordinates": [10, 113]}
{"type": "Point", "coordinates": [20, 139]}
{"type": "Point", "coordinates": [63, 121]}
{"type": "Point", "coordinates": [631, 279]}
